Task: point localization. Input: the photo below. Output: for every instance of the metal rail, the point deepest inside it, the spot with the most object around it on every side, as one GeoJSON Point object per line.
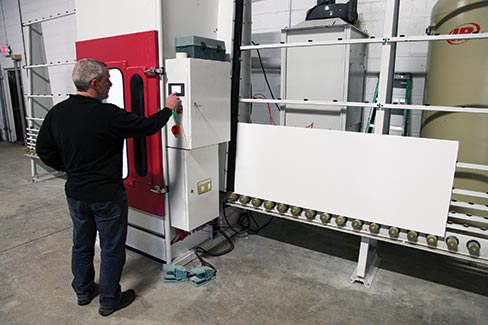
{"type": "Point", "coordinates": [372, 40]}
{"type": "Point", "coordinates": [470, 193]}
{"type": "Point", "coordinates": [471, 166]}
{"type": "Point", "coordinates": [464, 218]}
{"type": "Point", "coordinates": [50, 64]}
{"type": "Point", "coordinates": [420, 242]}
{"type": "Point", "coordinates": [306, 102]}
{"type": "Point", "coordinates": [47, 96]}
{"type": "Point", "coordinates": [51, 17]}
{"type": "Point", "coordinates": [437, 108]}
{"type": "Point", "coordinates": [468, 229]}
{"type": "Point", "coordinates": [35, 119]}
{"type": "Point", "coordinates": [366, 104]}
{"type": "Point", "coordinates": [312, 44]}
{"type": "Point", "coordinates": [402, 38]}
{"type": "Point", "coordinates": [469, 205]}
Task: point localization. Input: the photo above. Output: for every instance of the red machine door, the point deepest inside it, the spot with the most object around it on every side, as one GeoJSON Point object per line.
{"type": "Point", "coordinates": [132, 54]}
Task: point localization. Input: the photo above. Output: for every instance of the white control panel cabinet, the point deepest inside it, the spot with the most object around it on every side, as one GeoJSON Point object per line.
{"type": "Point", "coordinates": [323, 73]}
{"type": "Point", "coordinates": [194, 133]}
{"type": "Point", "coordinates": [204, 89]}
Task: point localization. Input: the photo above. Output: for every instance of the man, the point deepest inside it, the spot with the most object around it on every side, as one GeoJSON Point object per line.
{"type": "Point", "coordinates": [84, 137]}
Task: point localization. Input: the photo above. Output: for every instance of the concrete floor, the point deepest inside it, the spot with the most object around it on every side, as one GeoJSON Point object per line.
{"type": "Point", "coordinates": [290, 274]}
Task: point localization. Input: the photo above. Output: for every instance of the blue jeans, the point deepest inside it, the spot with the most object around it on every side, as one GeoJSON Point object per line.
{"type": "Point", "coordinates": [110, 219]}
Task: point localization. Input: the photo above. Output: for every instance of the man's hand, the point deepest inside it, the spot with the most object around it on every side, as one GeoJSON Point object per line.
{"type": "Point", "coordinates": [173, 101]}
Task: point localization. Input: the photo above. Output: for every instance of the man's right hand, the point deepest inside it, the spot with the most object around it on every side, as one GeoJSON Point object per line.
{"type": "Point", "coordinates": [173, 101]}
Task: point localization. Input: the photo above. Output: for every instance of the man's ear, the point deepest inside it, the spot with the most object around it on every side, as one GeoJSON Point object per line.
{"type": "Point", "coordinates": [93, 83]}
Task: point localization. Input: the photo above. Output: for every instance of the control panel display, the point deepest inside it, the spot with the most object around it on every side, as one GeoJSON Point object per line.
{"type": "Point", "coordinates": [177, 88]}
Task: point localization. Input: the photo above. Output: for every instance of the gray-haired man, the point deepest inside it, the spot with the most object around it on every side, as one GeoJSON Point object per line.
{"type": "Point", "coordinates": [84, 137]}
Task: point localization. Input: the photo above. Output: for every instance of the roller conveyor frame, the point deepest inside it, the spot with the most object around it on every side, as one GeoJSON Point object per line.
{"type": "Point", "coordinates": [456, 230]}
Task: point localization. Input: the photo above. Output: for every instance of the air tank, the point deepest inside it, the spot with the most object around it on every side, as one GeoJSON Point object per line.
{"type": "Point", "coordinates": [457, 75]}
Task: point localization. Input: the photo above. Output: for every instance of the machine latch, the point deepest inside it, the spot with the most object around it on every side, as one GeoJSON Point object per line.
{"type": "Point", "coordinates": [153, 72]}
{"type": "Point", "coordinates": [159, 190]}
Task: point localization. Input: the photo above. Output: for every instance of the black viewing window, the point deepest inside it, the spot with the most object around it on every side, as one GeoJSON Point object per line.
{"type": "Point", "coordinates": [137, 105]}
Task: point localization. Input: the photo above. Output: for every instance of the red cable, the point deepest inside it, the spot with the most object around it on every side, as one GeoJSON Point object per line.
{"type": "Point", "coordinates": [262, 96]}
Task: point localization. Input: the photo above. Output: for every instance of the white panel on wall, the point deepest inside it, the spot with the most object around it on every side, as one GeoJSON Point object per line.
{"type": "Point", "coordinates": [186, 18]}
{"type": "Point", "coordinates": [408, 181]}
{"type": "Point", "coordinates": [59, 41]}
{"type": "Point", "coordinates": [97, 19]}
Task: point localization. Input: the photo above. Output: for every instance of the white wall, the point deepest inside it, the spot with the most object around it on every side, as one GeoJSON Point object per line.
{"type": "Point", "coordinates": [270, 16]}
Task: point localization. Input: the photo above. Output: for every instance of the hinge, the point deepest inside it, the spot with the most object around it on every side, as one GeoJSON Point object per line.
{"type": "Point", "coordinates": [159, 190]}
{"type": "Point", "coordinates": [153, 72]}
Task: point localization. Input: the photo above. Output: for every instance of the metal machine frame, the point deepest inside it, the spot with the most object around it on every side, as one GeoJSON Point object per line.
{"type": "Point", "coordinates": [368, 260]}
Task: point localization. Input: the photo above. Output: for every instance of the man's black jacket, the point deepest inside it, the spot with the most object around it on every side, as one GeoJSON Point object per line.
{"type": "Point", "coordinates": [84, 137]}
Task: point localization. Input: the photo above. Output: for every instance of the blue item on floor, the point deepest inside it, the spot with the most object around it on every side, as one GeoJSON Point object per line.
{"type": "Point", "coordinates": [201, 275]}
{"type": "Point", "coordinates": [174, 273]}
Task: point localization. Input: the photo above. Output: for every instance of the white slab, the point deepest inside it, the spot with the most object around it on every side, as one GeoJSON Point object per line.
{"type": "Point", "coordinates": [391, 180]}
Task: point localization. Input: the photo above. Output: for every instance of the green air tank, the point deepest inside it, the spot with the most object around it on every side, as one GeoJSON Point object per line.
{"type": "Point", "coordinates": [457, 75]}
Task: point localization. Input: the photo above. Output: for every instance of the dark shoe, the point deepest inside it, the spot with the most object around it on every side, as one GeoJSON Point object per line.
{"type": "Point", "coordinates": [126, 298]}
{"type": "Point", "coordinates": [86, 301]}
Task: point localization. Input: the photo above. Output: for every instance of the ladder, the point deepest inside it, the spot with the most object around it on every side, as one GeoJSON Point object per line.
{"type": "Point", "coordinates": [39, 94]}
{"type": "Point", "coordinates": [400, 81]}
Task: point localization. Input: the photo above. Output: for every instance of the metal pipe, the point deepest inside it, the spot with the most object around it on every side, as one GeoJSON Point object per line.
{"type": "Point", "coordinates": [290, 6]}
{"type": "Point", "coordinates": [471, 166]}
{"type": "Point", "coordinates": [164, 139]}
{"type": "Point", "coordinates": [388, 53]}
{"type": "Point", "coordinates": [438, 108]}
{"type": "Point", "coordinates": [401, 39]}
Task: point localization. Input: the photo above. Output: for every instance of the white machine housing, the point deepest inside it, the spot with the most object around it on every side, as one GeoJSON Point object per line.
{"type": "Point", "coordinates": [194, 132]}
{"type": "Point", "coordinates": [147, 232]}
{"type": "Point", "coordinates": [323, 73]}
{"type": "Point", "coordinates": [193, 184]}
{"type": "Point", "coordinates": [204, 89]}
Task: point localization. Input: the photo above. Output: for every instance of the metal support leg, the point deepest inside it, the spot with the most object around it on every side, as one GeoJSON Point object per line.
{"type": "Point", "coordinates": [387, 67]}
{"type": "Point", "coordinates": [368, 262]}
